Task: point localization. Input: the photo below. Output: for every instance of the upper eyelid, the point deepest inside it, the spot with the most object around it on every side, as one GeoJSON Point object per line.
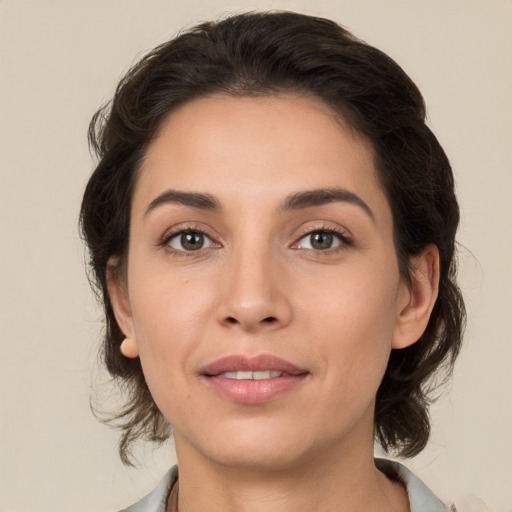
{"type": "Point", "coordinates": [323, 226]}
{"type": "Point", "coordinates": [186, 228]}
{"type": "Point", "coordinates": [327, 229]}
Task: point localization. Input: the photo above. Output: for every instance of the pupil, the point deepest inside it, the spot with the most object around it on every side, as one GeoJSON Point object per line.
{"type": "Point", "coordinates": [321, 241]}
{"type": "Point", "coordinates": [192, 241]}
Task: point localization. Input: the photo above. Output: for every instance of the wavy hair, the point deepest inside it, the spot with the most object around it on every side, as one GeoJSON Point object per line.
{"type": "Point", "coordinates": [266, 54]}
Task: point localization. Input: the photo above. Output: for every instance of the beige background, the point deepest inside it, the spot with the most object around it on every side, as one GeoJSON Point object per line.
{"type": "Point", "coordinates": [58, 61]}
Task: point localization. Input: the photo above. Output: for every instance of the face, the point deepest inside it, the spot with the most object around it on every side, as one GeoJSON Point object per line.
{"type": "Point", "coordinates": [263, 294]}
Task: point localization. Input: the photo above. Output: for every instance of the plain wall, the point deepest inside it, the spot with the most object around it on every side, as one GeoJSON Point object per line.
{"type": "Point", "coordinates": [59, 60]}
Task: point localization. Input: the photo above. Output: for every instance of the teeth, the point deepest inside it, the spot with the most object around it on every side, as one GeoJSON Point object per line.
{"type": "Point", "coordinates": [268, 374]}
{"type": "Point", "coordinates": [261, 375]}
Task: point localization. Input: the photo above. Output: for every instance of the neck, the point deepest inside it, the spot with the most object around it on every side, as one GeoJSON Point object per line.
{"type": "Point", "coordinates": [327, 482]}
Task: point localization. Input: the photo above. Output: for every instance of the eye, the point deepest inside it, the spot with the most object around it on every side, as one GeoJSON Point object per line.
{"type": "Point", "coordinates": [189, 241]}
{"type": "Point", "coordinates": [321, 240]}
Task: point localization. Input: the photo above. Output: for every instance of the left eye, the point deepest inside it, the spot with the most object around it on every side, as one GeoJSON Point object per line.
{"type": "Point", "coordinates": [320, 240]}
{"type": "Point", "coordinates": [190, 241]}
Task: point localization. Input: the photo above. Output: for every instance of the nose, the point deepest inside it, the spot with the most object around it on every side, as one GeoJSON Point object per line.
{"type": "Point", "coordinates": [255, 295]}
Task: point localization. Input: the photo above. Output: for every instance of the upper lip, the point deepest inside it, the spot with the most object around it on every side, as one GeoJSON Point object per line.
{"type": "Point", "coordinates": [239, 362]}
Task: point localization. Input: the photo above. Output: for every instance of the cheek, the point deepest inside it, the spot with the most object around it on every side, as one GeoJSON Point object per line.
{"type": "Point", "coordinates": [353, 318]}
{"type": "Point", "coordinates": [170, 312]}
{"type": "Point", "coordinates": [169, 322]}
{"type": "Point", "coordinates": [352, 300]}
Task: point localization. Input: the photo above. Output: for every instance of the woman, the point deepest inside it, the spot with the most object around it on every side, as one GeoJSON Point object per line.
{"type": "Point", "coordinates": [271, 226]}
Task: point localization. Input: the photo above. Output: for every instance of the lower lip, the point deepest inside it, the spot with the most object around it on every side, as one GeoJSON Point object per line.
{"type": "Point", "coordinates": [253, 392]}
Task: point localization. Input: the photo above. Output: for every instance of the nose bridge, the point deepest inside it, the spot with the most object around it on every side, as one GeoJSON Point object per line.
{"type": "Point", "coordinates": [253, 296]}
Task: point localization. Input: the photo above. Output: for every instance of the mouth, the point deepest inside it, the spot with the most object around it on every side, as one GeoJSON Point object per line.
{"type": "Point", "coordinates": [241, 375]}
{"type": "Point", "coordinates": [252, 380]}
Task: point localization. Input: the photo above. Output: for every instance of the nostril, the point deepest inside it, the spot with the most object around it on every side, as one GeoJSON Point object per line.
{"type": "Point", "coordinates": [267, 320]}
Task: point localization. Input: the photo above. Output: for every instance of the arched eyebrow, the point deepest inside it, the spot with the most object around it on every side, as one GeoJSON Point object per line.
{"type": "Point", "coordinates": [297, 201]}
{"type": "Point", "coordinates": [318, 197]}
{"type": "Point", "coordinates": [193, 199]}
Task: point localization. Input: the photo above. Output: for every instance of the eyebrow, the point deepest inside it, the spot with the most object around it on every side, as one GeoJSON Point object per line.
{"type": "Point", "coordinates": [319, 197]}
{"type": "Point", "coordinates": [194, 199]}
{"type": "Point", "coordinates": [297, 201]}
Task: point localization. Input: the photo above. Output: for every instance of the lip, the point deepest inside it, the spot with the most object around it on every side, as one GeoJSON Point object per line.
{"type": "Point", "coordinates": [252, 392]}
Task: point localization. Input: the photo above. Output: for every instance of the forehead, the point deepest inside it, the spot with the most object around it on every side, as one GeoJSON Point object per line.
{"type": "Point", "coordinates": [246, 148]}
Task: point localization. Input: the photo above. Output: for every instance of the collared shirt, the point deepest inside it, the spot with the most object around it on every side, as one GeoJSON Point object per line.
{"type": "Point", "coordinates": [421, 498]}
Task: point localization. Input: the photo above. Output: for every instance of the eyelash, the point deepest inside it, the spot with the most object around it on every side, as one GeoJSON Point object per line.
{"type": "Point", "coordinates": [169, 236]}
{"type": "Point", "coordinates": [341, 235]}
{"type": "Point", "coordinates": [338, 233]}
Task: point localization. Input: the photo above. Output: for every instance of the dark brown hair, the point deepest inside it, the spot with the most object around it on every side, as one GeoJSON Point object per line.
{"type": "Point", "coordinates": [265, 54]}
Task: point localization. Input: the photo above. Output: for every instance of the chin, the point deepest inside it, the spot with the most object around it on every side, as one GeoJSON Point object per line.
{"type": "Point", "coordinates": [245, 445]}
{"type": "Point", "coordinates": [265, 446]}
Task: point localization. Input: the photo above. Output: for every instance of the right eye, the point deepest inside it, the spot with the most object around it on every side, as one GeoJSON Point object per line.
{"type": "Point", "coordinates": [189, 241]}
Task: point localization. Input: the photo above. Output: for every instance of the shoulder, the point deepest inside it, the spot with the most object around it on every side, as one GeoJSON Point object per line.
{"type": "Point", "coordinates": [421, 498]}
{"type": "Point", "coordinates": [156, 500]}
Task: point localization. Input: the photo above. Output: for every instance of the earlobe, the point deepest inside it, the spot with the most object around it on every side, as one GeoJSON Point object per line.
{"type": "Point", "coordinates": [419, 298]}
{"type": "Point", "coordinates": [129, 348]}
{"type": "Point", "coordinates": [118, 294]}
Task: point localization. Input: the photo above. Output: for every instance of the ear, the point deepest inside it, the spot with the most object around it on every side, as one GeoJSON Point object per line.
{"type": "Point", "coordinates": [417, 298]}
{"type": "Point", "coordinates": [118, 293]}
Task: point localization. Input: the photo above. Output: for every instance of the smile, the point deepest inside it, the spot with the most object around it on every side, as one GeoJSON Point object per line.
{"type": "Point", "coordinates": [242, 375]}
{"type": "Point", "coordinates": [252, 380]}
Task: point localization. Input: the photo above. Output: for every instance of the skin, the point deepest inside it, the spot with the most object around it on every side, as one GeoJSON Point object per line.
{"type": "Point", "coordinates": [259, 286]}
